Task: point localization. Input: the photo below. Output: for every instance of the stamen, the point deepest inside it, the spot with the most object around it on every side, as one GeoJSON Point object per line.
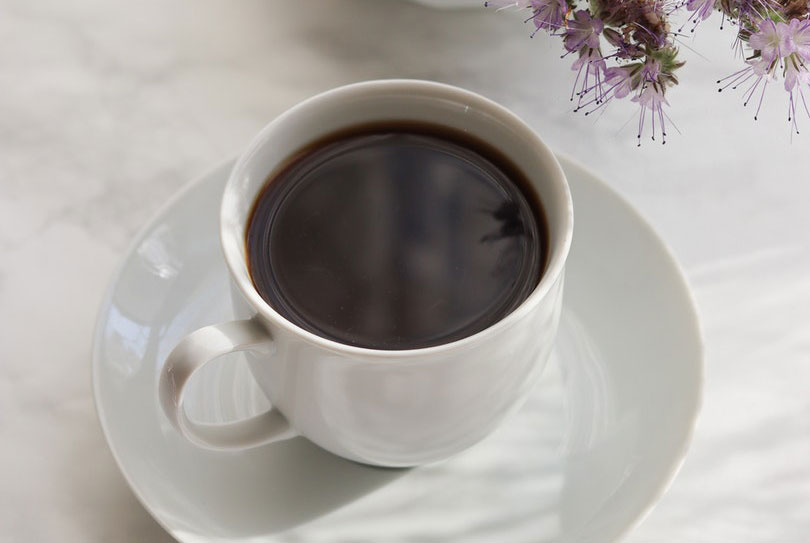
{"type": "Point", "coordinates": [732, 75]}
{"type": "Point", "coordinates": [737, 81]}
{"type": "Point", "coordinates": [752, 88]}
{"type": "Point", "coordinates": [663, 127]}
{"type": "Point", "coordinates": [761, 96]}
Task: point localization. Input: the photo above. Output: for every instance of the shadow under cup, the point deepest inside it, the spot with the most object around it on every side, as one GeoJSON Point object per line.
{"type": "Point", "coordinates": [399, 407]}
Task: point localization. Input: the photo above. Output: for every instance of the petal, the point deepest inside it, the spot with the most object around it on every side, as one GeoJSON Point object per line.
{"type": "Point", "coordinates": [790, 79]}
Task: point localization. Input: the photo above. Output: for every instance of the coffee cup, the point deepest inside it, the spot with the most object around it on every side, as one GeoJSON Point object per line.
{"type": "Point", "coordinates": [392, 408]}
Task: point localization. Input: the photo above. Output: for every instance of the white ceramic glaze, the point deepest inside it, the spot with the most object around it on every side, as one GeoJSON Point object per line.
{"type": "Point", "coordinates": [597, 442]}
{"type": "Point", "coordinates": [388, 408]}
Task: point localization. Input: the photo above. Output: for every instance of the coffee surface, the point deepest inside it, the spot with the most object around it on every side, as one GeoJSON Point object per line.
{"type": "Point", "coordinates": [396, 237]}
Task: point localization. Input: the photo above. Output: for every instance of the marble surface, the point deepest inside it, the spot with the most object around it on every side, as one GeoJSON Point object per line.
{"type": "Point", "coordinates": [107, 108]}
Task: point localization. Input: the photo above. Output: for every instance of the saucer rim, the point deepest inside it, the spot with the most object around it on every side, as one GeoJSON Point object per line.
{"type": "Point", "coordinates": [700, 360]}
{"type": "Point", "coordinates": [678, 457]}
{"type": "Point", "coordinates": [106, 301]}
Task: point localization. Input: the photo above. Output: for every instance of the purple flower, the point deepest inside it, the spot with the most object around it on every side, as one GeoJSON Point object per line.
{"type": "Point", "coordinates": [771, 40]}
{"type": "Point", "coordinates": [797, 58]}
{"type": "Point", "coordinates": [624, 49]}
{"type": "Point", "coordinates": [762, 67]}
{"type": "Point", "coordinates": [548, 14]}
{"type": "Point", "coordinates": [795, 73]}
{"type": "Point", "coordinates": [759, 69]}
{"type": "Point", "coordinates": [651, 70]}
{"type": "Point", "coordinates": [751, 10]}
{"type": "Point", "coordinates": [797, 37]}
{"type": "Point", "coordinates": [638, 57]}
{"type": "Point", "coordinates": [591, 62]}
{"type": "Point", "coordinates": [651, 98]}
{"type": "Point", "coordinates": [590, 57]}
{"type": "Point", "coordinates": [619, 80]}
{"type": "Point", "coordinates": [701, 8]}
{"type": "Point", "coordinates": [797, 63]}
{"type": "Point", "coordinates": [796, 76]}
{"type": "Point", "coordinates": [780, 45]}
{"type": "Point", "coordinates": [583, 31]}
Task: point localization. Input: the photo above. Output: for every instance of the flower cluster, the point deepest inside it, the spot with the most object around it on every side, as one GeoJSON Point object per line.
{"type": "Point", "coordinates": [780, 49]}
{"type": "Point", "coordinates": [627, 48]}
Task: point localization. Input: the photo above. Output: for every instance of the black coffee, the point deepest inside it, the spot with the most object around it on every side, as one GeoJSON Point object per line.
{"type": "Point", "coordinates": [396, 236]}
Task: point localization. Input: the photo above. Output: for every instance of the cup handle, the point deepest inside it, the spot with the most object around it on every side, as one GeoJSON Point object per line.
{"type": "Point", "coordinates": [192, 353]}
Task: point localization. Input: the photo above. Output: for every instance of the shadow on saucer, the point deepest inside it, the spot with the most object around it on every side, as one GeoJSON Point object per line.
{"type": "Point", "coordinates": [283, 485]}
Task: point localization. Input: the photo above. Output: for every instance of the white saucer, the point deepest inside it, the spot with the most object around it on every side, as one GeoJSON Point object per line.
{"type": "Point", "coordinates": [596, 445]}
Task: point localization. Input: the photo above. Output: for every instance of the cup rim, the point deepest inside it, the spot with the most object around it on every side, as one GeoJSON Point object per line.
{"type": "Point", "coordinates": [554, 267]}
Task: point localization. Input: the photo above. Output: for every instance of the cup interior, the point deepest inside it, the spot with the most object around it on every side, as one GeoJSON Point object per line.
{"type": "Point", "coordinates": [392, 100]}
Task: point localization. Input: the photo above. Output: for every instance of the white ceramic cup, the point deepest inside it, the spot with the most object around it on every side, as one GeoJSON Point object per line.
{"type": "Point", "coordinates": [388, 408]}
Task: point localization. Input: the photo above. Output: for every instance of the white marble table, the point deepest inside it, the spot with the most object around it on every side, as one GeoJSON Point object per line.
{"type": "Point", "coordinates": [108, 107]}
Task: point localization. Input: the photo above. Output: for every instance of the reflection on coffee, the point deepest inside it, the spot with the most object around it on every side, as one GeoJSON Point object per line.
{"type": "Point", "coordinates": [396, 236]}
